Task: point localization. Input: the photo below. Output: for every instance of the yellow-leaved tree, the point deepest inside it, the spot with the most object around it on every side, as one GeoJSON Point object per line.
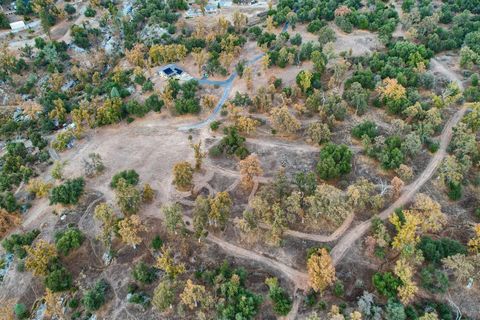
{"type": "Point", "coordinates": [39, 256]}
{"type": "Point", "coordinates": [283, 121]}
{"type": "Point", "coordinates": [429, 316]}
{"type": "Point", "coordinates": [39, 187]}
{"type": "Point", "coordinates": [408, 288]}
{"type": "Point", "coordinates": [167, 263]}
{"type": "Point", "coordinates": [183, 175]}
{"type": "Point", "coordinates": [53, 302]}
{"type": "Point", "coordinates": [406, 230]}
{"type": "Point", "coordinates": [392, 90]}
{"type": "Point", "coordinates": [220, 207]}
{"type": "Point", "coordinates": [432, 219]}
{"type": "Point", "coordinates": [250, 168]}
{"type": "Point", "coordinates": [136, 55]}
{"type": "Point", "coordinates": [105, 214]}
{"type": "Point", "coordinates": [129, 229]}
{"type": "Point", "coordinates": [321, 272]}
{"type": "Point", "coordinates": [192, 294]}
{"type": "Point", "coordinates": [474, 243]}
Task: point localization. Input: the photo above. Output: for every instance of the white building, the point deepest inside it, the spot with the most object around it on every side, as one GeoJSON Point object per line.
{"type": "Point", "coordinates": [17, 26]}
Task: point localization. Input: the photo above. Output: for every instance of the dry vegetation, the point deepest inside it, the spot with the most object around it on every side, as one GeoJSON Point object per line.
{"type": "Point", "coordinates": [313, 160]}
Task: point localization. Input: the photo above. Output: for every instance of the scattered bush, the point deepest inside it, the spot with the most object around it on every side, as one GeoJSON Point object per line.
{"type": "Point", "coordinates": [67, 193]}
{"type": "Point", "coordinates": [68, 240]}
{"type": "Point", "coordinates": [367, 128]}
{"type": "Point", "coordinates": [90, 12]}
{"type": "Point", "coordinates": [16, 242]}
{"type": "Point", "coordinates": [58, 280]}
{"type": "Point", "coordinates": [434, 280]}
{"type": "Point", "coordinates": [21, 311]}
{"type": "Point", "coordinates": [435, 250]}
{"type": "Point", "coordinates": [282, 304]}
{"type": "Point", "coordinates": [131, 177]}
{"type": "Point", "coordinates": [143, 273]}
{"type": "Point", "coordinates": [94, 298]}
{"type": "Point", "coordinates": [386, 284]}
{"type": "Point", "coordinates": [335, 160]}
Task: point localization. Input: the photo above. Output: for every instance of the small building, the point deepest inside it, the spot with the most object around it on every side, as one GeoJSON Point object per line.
{"type": "Point", "coordinates": [196, 11]}
{"type": "Point", "coordinates": [173, 71]}
{"type": "Point", "coordinates": [17, 25]}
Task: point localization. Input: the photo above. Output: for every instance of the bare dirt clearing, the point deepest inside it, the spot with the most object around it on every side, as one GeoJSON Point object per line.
{"type": "Point", "coordinates": [359, 42]}
{"type": "Point", "coordinates": [152, 146]}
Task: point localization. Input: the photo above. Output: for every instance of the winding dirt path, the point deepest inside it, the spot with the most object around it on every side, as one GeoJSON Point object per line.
{"type": "Point", "coordinates": [338, 252]}
{"type": "Point", "coordinates": [322, 238]}
{"type": "Point", "coordinates": [298, 278]}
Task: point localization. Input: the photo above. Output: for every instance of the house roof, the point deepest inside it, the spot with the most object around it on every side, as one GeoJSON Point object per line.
{"type": "Point", "coordinates": [17, 24]}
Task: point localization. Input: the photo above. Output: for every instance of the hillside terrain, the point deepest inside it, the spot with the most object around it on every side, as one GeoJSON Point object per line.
{"type": "Point", "coordinates": [308, 159]}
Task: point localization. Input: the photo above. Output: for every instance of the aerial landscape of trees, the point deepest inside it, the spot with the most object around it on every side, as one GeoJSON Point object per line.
{"type": "Point", "coordinates": [310, 159]}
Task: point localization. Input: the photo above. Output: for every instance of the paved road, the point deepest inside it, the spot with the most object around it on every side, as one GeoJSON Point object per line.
{"type": "Point", "coordinates": [227, 85]}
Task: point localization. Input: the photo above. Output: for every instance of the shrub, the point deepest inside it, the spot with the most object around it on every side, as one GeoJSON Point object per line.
{"type": "Point", "coordinates": [68, 240]}
{"type": "Point", "coordinates": [344, 23]}
{"type": "Point", "coordinates": [73, 303]}
{"type": "Point", "coordinates": [94, 298]}
{"type": "Point", "coordinates": [282, 304]}
{"type": "Point", "coordinates": [435, 250]}
{"type": "Point", "coordinates": [232, 144]}
{"type": "Point", "coordinates": [315, 26]}
{"type": "Point", "coordinates": [432, 145]}
{"type": "Point", "coordinates": [70, 9]}
{"type": "Point", "coordinates": [90, 12]}
{"type": "Point", "coordinates": [215, 125]}
{"type": "Point", "coordinates": [139, 298]}
{"type": "Point", "coordinates": [8, 201]}
{"type": "Point", "coordinates": [131, 177]}
{"type": "Point", "coordinates": [137, 109]}
{"type": "Point", "coordinates": [68, 193]}
{"type": "Point", "coordinates": [4, 22]}
{"type": "Point", "coordinates": [154, 103]}
{"type": "Point", "coordinates": [147, 86]}
{"type": "Point", "coordinates": [339, 289]}
{"type": "Point", "coordinates": [386, 284]}
{"type": "Point", "coordinates": [395, 310]}
{"type": "Point", "coordinates": [143, 273]}
{"type": "Point", "coordinates": [16, 242]}
{"type": "Point", "coordinates": [434, 280]}
{"type": "Point", "coordinates": [454, 191]}
{"type": "Point", "coordinates": [20, 311]}
{"type": "Point", "coordinates": [335, 160]}
{"type": "Point", "coordinates": [391, 156]}
{"type": "Point", "coordinates": [367, 128]}
{"type": "Point", "coordinates": [58, 280]}
{"type": "Point", "coordinates": [157, 243]}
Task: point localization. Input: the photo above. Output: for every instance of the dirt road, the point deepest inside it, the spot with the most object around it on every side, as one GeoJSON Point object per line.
{"type": "Point", "coordinates": [298, 278]}
{"type": "Point", "coordinates": [356, 233]}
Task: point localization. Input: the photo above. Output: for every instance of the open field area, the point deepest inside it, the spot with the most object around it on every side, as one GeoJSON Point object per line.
{"type": "Point", "coordinates": [240, 160]}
